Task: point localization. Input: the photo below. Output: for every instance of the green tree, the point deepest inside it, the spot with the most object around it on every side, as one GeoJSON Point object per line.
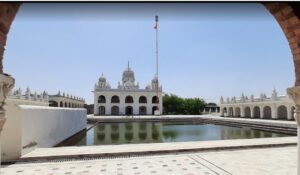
{"type": "Point", "coordinates": [172, 104]}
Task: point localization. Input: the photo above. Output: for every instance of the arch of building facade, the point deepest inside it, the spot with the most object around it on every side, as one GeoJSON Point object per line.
{"type": "Point", "coordinates": [142, 110]}
{"type": "Point", "coordinates": [155, 99]}
{"type": "Point", "coordinates": [282, 112]}
{"type": "Point", "coordinates": [129, 99]}
{"type": "Point", "coordinates": [267, 112]}
{"type": "Point", "coordinates": [115, 99]}
{"type": "Point", "coordinates": [237, 112]}
{"type": "Point", "coordinates": [101, 99]}
{"type": "Point", "coordinates": [142, 99]}
{"type": "Point", "coordinates": [154, 108]}
{"type": "Point", "coordinates": [115, 110]}
{"type": "Point", "coordinates": [256, 112]}
{"type": "Point", "coordinates": [102, 110]}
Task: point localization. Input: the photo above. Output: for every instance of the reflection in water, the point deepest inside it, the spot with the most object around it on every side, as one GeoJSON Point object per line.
{"type": "Point", "coordinates": [157, 132]}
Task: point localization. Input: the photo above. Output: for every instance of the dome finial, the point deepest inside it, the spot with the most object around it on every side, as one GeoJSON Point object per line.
{"type": "Point", "coordinates": [128, 64]}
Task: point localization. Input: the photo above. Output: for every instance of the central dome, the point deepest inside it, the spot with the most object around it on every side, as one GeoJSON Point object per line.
{"type": "Point", "coordinates": [128, 75]}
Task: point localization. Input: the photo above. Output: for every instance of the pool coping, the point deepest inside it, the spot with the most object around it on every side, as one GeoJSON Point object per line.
{"type": "Point", "coordinates": [106, 151]}
{"type": "Point", "coordinates": [282, 123]}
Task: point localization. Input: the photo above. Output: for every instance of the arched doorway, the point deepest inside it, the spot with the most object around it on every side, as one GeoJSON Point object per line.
{"type": "Point", "coordinates": [282, 112]}
{"type": "Point", "coordinates": [53, 103]}
{"type": "Point", "coordinates": [115, 110]}
{"type": "Point", "coordinates": [230, 112]}
{"type": "Point", "coordinates": [247, 112]}
{"type": "Point", "coordinates": [101, 110]}
{"type": "Point", "coordinates": [129, 110]}
{"type": "Point", "coordinates": [267, 112]}
{"type": "Point", "coordinates": [142, 110]}
{"type": "Point", "coordinates": [237, 112]}
{"type": "Point", "coordinates": [154, 108]}
{"type": "Point", "coordinates": [256, 112]}
{"type": "Point", "coordinates": [61, 104]}
{"type": "Point", "coordinates": [223, 111]}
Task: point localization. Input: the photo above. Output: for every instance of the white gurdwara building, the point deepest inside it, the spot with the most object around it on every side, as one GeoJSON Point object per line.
{"type": "Point", "coordinates": [128, 98]}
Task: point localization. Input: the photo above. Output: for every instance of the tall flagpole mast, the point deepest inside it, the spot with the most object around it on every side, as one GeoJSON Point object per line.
{"type": "Point", "coordinates": [156, 31]}
{"type": "Point", "coordinates": [156, 28]}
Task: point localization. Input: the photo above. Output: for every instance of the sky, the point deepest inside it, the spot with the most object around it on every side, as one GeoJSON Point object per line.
{"type": "Point", "coordinates": [205, 50]}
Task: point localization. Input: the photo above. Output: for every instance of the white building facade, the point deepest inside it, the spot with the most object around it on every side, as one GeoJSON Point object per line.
{"type": "Point", "coordinates": [274, 107]}
{"type": "Point", "coordinates": [66, 101]}
{"type": "Point", "coordinates": [127, 98]}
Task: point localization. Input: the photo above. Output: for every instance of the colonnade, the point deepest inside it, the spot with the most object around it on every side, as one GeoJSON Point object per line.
{"type": "Point", "coordinates": [273, 107]}
{"type": "Point", "coordinates": [271, 111]}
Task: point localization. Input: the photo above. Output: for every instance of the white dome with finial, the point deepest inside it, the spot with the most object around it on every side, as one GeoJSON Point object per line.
{"type": "Point", "coordinates": [102, 78]}
{"type": "Point", "coordinates": [102, 83]}
{"type": "Point", "coordinates": [128, 75]}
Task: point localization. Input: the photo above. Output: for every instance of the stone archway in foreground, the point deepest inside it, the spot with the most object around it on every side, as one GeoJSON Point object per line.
{"type": "Point", "coordinates": [286, 14]}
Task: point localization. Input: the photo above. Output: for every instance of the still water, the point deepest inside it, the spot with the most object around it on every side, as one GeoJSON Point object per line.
{"type": "Point", "coordinates": [159, 132]}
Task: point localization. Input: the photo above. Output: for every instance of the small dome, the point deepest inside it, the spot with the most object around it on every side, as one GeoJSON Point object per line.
{"type": "Point", "coordinates": [155, 79]}
{"type": "Point", "coordinates": [102, 78]}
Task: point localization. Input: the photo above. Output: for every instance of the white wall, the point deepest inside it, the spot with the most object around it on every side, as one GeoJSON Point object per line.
{"type": "Point", "coordinates": [48, 126]}
{"type": "Point", "coordinates": [11, 133]}
{"type": "Point", "coordinates": [28, 127]}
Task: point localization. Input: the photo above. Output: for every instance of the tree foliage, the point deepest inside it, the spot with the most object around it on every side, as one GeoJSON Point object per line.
{"type": "Point", "coordinates": [172, 104]}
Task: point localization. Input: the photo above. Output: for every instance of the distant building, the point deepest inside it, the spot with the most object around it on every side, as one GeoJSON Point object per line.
{"type": "Point", "coordinates": [66, 101]}
{"type": "Point", "coordinates": [127, 98]}
{"type": "Point", "coordinates": [89, 108]}
{"type": "Point", "coordinates": [211, 108]}
{"type": "Point", "coordinates": [273, 107]}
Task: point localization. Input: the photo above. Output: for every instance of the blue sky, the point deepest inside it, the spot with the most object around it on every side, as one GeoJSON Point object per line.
{"type": "Point", "coordinates": [206, 50]}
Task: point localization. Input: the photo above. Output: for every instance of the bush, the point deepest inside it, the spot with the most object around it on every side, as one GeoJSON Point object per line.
{"type": "Point", "coordinates": [173, 105]}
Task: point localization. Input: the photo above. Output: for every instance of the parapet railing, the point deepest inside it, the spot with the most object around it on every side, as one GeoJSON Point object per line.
{"type": "Point", "coordinates": [265, 99]}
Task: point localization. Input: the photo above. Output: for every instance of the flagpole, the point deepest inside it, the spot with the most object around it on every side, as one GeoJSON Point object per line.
{"type": "Point", "coordinates": [156, 20]}
{"type": "Point", "coordinates": [156, 28]}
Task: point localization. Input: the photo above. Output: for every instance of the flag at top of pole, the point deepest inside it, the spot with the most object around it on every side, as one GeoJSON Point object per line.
{"type": "Point", "coordinates": [156, 22]}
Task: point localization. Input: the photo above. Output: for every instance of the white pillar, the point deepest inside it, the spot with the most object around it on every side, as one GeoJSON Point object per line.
{"type": "Point", "coordinates": [289, 113]}
{"type": "Point", "coordinates": [252, 112]}
{"type": "Point", "coordinates": [294, 93]}
{"type": "Point", "coordinates": [261, 112]}
{"type": "Point", "coordinates": [242, 111]}
{"type": "Point", "coordinates": [274, 112]}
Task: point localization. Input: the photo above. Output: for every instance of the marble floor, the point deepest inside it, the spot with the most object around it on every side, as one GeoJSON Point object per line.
{"type": "Point", "coordinates": [260, 161]}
